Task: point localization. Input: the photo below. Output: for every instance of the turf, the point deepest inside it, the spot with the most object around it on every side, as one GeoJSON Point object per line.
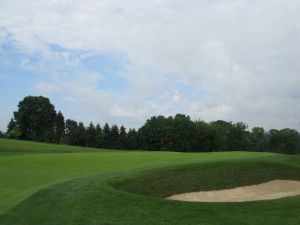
{"type": "Point", "coordinates": [43, 184]}
{"type": "Point", "coordinates": [13, 147]}
{"type": "Point", "coordinates": [165, 182]}
{"type": "Point", "coordinates": [88, 201]}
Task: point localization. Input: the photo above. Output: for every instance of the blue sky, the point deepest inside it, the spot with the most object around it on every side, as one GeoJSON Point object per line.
{"type": "Point", "coordinates": [124, 61]}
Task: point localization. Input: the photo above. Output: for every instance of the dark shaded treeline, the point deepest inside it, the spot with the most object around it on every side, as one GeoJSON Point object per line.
{"type": "Point", "coordinates": [36, 119]}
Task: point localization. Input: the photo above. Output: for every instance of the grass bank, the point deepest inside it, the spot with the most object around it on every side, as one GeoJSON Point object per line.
{"type": "Point", "coordinates": [165, 182]}
{"type": "Point", "coordinates": [44, 184]}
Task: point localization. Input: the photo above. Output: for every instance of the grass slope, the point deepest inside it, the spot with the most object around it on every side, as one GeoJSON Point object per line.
{"type": "Point", "coordinates": [28, 196]}
{"type": "Point", "coordinates": [165, 182]}
{"type": "Point", "coordinates": [90, 201]}
{"type": "Point", "coordinates": [13, 147]}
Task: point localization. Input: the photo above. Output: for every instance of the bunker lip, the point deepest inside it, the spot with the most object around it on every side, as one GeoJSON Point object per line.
{"type": "Point", "coordinates": [274, 189]}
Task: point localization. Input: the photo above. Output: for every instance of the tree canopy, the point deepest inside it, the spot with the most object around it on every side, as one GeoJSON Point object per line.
{"type": "Point", "coordinates": [36, 119]}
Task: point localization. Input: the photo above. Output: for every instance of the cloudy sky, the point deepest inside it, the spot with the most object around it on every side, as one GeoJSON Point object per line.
{"type": "Point", "coordinates": [123, 61]}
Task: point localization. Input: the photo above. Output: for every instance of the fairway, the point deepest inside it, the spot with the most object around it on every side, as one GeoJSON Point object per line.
{"type": "Point", "coordinates": [57, 184]}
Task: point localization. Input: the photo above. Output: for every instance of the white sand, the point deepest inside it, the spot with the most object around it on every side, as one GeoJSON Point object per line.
{"type": "Point", "coordinates": [270, 190]}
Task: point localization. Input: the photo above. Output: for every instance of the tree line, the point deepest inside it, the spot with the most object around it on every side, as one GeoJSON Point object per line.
{"type": "Point", "coordinates": [37, 120]}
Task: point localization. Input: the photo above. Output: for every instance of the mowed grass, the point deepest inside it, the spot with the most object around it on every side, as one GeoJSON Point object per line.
{"type": "Point", "coordinates": [92, 201]}
{"type": "Point", "coordinates": [13, 147]}
{"type": "Point", "coordinates": [40, 188]}
{"type": "Point", "coordinates": [23, 174]}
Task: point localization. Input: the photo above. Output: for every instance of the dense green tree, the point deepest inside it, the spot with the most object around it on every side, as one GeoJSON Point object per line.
{"type": "Point", "coordinates": [153, 135]}
{"type": "Point", "coordinates": [15, 133]}
{"type": "Point", "coordinates": [71, 127]}
{"type": "Point", "coordinates": [36, 118]}
{"type": "Point", "coordinates": [203, 136]}
{"type": "Point", "coordinates": [99, 136]}
{"type": "Point", "coordinates": [284, 141]}
{"type": "Point", "coordinates": [288, 141]}
{"type": "Point", "coordinates": [11, 125]}
{"type": "Point", "coordinates": [59, 127]}
{"type": "Point", "coordinates": [80, 134]}
{"type": "Point", "coordinates": [106, 136]}
{"type": "Point", "coordinates": [176, 133]}
{"type": "Point", "coordinates": [91, 135]}
{"type": "Point", "coordinates": [258, 139]}
{"type": "Point", "coordinates": [123, 138]}
{"type": "Point", "coordinates": [237, 138]}
{"type": "Point", "coordinates": [220, 131]}
{"type": "Point", "coordinates": [292, 141]}
{"type": "Point", "coordinates": [183, 133]}
{"type": "Point", "coordinates": [274, 140]}
{"type": "Point", "coordinates": [114, 137]}
{"type": "Point", "coordinates": [133, 139]}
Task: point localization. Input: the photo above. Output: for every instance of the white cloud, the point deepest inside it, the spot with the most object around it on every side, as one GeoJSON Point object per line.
{"type": "Point", "coordinates": [176, 97]}
{"type": "Point", "coordinates": [44, 88]}
{"type": "Point", "coordinates": [244, 54]}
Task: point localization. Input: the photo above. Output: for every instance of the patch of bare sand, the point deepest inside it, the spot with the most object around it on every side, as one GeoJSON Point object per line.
{"type": "Point", "coordinates": [270, 190]}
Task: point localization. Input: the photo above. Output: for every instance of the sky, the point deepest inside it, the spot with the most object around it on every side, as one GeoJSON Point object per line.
{"type": "Point", "coordinates": [123, 61]}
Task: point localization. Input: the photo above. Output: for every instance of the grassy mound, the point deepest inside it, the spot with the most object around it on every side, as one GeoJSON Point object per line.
{"type": "Point", "coordinates": [90, 201]}
{"type": "Point", "coordinates": [204, 177]}
{"type": "Point", "coordinates": [27, 167]}
{"type": "Point", "coordinates": [37, 187]}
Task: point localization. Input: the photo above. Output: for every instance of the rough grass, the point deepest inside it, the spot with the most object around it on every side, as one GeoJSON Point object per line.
{"type": "Point", "coordinates": [39, 189]}
{"type": "Point", "coordinates": [89, 201]}
{"type": "Point", "coordinates": [205, 176]}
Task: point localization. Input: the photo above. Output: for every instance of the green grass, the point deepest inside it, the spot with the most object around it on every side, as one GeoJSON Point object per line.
{"type": "Point", "coordinates": [13, 147]}
{"type": "Point", "coordinates": [44, 184]}
{"type": "Point", "coordinates": [165, 182]}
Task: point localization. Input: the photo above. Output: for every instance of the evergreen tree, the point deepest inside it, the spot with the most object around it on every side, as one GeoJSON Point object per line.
{"type": "Point", "coordinates": [59, 127]}
{"type": "Point", "coordinates": [91, 135]}
{"type": "Point", "coordinates": [71, 127]}
{"type": "Point", "coordinates": [114, 137]}
{"type": "Point", "coordinates": [106, 136]}
{"type": "Point", "coordinates": [99, 136]}
{"type": "Point", "coordinates": [123, 138]}
{"type": "Point", "coordinates": [80, 134]}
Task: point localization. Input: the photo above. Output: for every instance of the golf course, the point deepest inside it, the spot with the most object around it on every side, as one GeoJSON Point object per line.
{"type": "Point", "coordinates": [49, 184]}
{"type": "Point", "coordinates": [158, 112]}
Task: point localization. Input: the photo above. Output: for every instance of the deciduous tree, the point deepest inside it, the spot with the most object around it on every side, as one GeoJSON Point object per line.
{"type": "Point", "coordinates": [36, 118]}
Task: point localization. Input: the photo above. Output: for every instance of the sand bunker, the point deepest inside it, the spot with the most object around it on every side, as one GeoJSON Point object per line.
{"type": "Point", "coordinates": [270, 190]}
